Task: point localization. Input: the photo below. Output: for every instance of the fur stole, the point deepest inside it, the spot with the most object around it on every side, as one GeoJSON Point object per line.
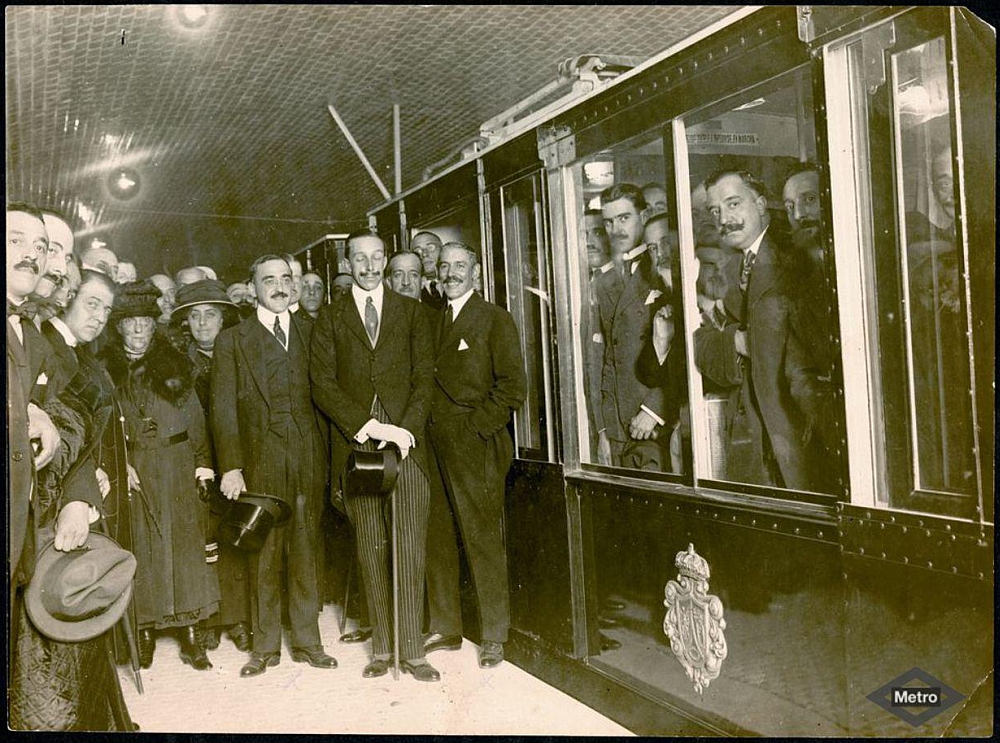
{"type": "Point", "coordinates": [166, 372]}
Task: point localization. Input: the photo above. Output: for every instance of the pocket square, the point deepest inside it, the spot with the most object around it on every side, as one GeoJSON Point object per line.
{"type": "Point", "coordinates": [654, 294]}
{"type": "Point", "coordinates": [462, 345]}
{"type": "Point", "coordinates": [42, 379]}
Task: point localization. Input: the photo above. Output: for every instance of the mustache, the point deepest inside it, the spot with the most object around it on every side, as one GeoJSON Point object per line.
{"type": "Point", "coordinates": [29, 263]}
{"type": "Point", "coordinates": [731, 227]}
{"type": "Point", "coordinates": [279, 295]}
{"type": "Point", "coordinates": [809, 223]}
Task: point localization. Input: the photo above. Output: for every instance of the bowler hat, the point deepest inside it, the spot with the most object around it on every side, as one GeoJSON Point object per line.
{"type": "Point", "coordinates": [248, 520]}
{"type": "Point", "coordinates": [136, 299]}
{"type": "Point", "coordinates": [206, 291]}
{"type": "Point", "coordinates": [372, 472]}
{"type": "Point", "coordinates": [77, 595]}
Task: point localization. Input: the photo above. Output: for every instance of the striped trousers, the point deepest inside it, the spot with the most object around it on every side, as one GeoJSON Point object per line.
{"type": "Point", "coordinates": [371, 516]}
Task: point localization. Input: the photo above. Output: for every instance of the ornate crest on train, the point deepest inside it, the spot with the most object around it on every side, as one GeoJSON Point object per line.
{"type": "Point", "coordinates": [694, 620]}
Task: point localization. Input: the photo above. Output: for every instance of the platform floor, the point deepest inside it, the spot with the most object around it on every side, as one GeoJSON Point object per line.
{"type": "Point", "coordinates": [295, 698]}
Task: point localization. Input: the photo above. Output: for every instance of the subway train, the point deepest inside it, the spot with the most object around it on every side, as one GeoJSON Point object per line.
{"type": "Point", "coordinates": [678, 586]}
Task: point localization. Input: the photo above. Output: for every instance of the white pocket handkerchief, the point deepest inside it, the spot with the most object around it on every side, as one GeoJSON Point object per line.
{"type": "Point", "coordinates": [654, 294]}
{"type": "Point", "coordinates": [462, 345]}
{"type": "Point", "coordinates": [42, 379]}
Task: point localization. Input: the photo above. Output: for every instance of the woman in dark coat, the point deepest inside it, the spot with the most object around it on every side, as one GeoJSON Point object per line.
{"type": "Point", "coordinates": [168, 446]}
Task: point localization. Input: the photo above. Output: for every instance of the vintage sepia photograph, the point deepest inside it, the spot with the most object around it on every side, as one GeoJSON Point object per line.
{"type": "Point", "coordinates": [557, 370]}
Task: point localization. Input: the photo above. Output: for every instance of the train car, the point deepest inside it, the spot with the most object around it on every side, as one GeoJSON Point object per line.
{"type": "Point", "coordinates": [835, 582]}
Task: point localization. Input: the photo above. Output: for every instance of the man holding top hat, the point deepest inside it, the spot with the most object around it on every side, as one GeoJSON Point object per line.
{"type": "Point", "coordinates": [269, 440]}
{"type": "Point", "coordinates": [372, 374]}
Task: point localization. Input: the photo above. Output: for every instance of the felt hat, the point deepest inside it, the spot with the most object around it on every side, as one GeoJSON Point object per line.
{"type": "Point", "coordinates": [247, 521]}
{"type": "Point", "coordinates": [136, 299]}
{"type": "Point", "coordinates": [206, 291]}
{"type": "Point", "coordinates": [372, 472]}
{"type": "Point", "coordinates": [78, 595]}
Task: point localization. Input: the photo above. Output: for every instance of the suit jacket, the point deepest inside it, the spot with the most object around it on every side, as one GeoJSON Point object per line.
{"type": "Point", "coordinates": [479, 368]}
{"type": "Point", "coordinates": [777, 365]}
{"type": "Point", "coordinates": [347, 372]}
{"type": "Point", "coordinates": [240, 407]}
{"type": "Point", "coordinates": [626, 308]}
{"type": "Point", "coordinates": [20, 460]}
{"type": "Point", "coordinates": [432, 296]}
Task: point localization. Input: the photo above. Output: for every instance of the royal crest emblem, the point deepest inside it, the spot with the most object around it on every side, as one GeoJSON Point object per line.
{"type": "Point", "coordinates": [694, 620]}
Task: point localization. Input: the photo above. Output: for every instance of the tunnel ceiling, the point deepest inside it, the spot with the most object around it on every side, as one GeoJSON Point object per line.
{"type": "Point", "coordinates": [224, 125]}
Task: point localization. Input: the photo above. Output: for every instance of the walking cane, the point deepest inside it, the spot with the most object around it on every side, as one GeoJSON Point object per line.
{"type": "Point", "coordinates": [347, 591]}
{"type": "Point", "coordinates": [395, 590]}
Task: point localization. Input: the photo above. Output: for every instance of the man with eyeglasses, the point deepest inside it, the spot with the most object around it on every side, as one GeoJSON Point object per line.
{"type": "Point", "coordinates": [636, 425]}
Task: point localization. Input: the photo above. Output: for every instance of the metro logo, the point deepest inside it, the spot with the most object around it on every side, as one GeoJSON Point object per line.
{"type": "Point", "coordinates": [915, 697]}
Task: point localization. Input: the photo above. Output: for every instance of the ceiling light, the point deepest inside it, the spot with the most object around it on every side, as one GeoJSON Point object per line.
{"type": "Point", "coordinates": [123, 183]}
{"type": "Point", "coordinates": [98, 243]}
{"type": "Point", "coordinates": [192, 16]}
{"type": "Point", "coordinates": [85, 213]}
{"type": "Point", "coordinates": [751, 104]}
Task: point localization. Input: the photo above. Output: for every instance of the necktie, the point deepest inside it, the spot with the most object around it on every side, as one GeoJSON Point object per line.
{"type": "Point", "coordinates": [748, 258]}
{"type": "Point", "coordinates": [26, 310]}
{"type": "Point", "coordinates": [371, 320]}
{"type": "Point", "coordinates": [279, 333]}
{"type": "Point", "coordinates": [449, 320]}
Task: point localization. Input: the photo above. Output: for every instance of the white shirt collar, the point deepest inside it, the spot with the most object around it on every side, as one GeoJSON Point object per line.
{"type": "Point", "coordinates": [361, 298]}
{"type": "Point", "coordinates": [266, 318]}
{"type": "Point", "coordinates": [635, 252]}
{"type": "Point", "coordinates": [293, 308]}
{"type": "Point", "coordinates": [64, 331]}
{"type": "Point", "coordinates": [755, 245]}
{"type": "Point", "coordinates": [458, 303]}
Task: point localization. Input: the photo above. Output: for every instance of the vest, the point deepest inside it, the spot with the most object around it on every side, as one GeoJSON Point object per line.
{"type": "Point", "coordinates": [291, 411]}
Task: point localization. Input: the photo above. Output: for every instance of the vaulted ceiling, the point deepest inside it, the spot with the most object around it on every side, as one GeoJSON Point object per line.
{"type": "Point", "coordinates": [225, 128]}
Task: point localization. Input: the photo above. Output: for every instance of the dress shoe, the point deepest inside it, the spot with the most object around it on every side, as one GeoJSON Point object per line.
{"type": "Point", "coordinates": [490, 654]}
{"type": "Point", "coordinates": [259, 663]}
{"type": "Point", "coordinates": [208, 638]}
{"type": "Point", "coordinates": [420, 671]}
{"type": "Point", "coordinates": [437, 641]}
{"type": "Point", "coordinates": [608, 643]}
{"type": "Point", "coordinates": [147, 646]}
{"type": "Point", "coordinates": [378, 667]}
{"type": "Point", "coordinates": [358, 635]}
{"type": "Point", "coordinates": [240, 636]}
{"type": "Point", "coordinates": [192, 652]}
{"type": "Point", "coordinates": [314, 656]}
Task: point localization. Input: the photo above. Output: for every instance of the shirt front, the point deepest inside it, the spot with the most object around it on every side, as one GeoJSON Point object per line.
{"type": "Point", "coordinates": [458, 303]}
{"type": "Point", "coordinates": [266, 318]}
{"type": "Point", "coordinates": [361, 299]}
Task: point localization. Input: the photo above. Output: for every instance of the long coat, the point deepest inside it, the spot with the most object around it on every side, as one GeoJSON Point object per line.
{"type": "Point", "coordinates": [165, 425]}
{"type": "Point", "coordinates": [765, 421]}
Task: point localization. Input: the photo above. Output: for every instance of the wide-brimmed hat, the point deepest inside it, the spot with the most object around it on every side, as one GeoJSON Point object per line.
{"type": "Point", "coordinates": [78, 595]}
{"type": "Point", "coordinates": [372, 472]}
{"type": "Point", "coordinates": [136, 299]}
{"type": "Point", "coordinates": [206, 291]}
{"type": "Point", "coordinates": [247, 521]}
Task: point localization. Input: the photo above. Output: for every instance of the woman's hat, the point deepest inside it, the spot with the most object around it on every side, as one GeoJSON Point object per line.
{"type": "Point", "coordinates": [206, 291]}
{"type": "Point", "coordinates": [136, 299]}
{"type": "Point", "coordinates": [372, 472]}
{"type": "Point", "coordinates": [247, 521]}
{"type": "Point", "coordinates": [78, 595]}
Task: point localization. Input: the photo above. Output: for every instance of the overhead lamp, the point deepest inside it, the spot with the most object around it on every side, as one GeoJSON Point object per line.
{"type": "Point", "coordinates": [123, 183]}
{"type": "Point", "coordinates": [192, 16]}
{"type": "Point", "coordinates": [98, 243]}
{"type": "Point", "coordinates": [751, 104]}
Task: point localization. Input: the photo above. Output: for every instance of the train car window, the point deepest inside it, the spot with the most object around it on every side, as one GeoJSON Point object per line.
{"type": "Point", "coordinates": [517, 216]}
{"type": "Point", "coordinates": [635, 394]}
{"type": "Point", "coordinates": [903, 135]}
{"type": "Point", "coordinates": [766, 400]}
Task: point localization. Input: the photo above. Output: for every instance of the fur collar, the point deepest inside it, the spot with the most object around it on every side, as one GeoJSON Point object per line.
{"type": "Point", "coordinates": [166, 372]}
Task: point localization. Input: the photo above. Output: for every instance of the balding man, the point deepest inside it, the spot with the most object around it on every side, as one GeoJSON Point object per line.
{"type": "Point", "coordinates": [428, 246]}
{"type": "Point", "coordinates": [126, 273]}
{"type": "Point", "coordinates": [168, 293]}
{"type": "Point", "coordinates": [189, 275]}
{"type": "Point", "coordinates": [101, 259]}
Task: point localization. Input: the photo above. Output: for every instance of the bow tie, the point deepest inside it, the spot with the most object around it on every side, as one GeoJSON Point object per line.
{"type": "Point", "coordinates": [26, 310]}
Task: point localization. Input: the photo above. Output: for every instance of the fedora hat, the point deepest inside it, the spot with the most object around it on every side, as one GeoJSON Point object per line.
{"type": "Point", "coordinates": [206, 291]}
{"type": "Point", "coordinates": [372, 472]}
{"type": "Point", "coordinates": [247, 521]}
{"type": "Point", "coordinates": [75, 596]}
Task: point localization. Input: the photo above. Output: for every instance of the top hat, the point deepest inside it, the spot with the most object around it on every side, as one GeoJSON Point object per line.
{"type": "Point", "coordinates": [372, 472]}
{"type": "Point", "coordinates": [136, 299]}
{"type": "Point", "coordinates": [206, 291]}
{"type": "Point", "coordinates": [247, 521]}
{"type": "Point", "coordinates": [78, 595]}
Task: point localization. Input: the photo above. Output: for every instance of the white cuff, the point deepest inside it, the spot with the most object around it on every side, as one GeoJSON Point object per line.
{"type": "Point", "coordinates": [655, 417]}
{"type": "Point", "coordinates": [93, 515]}
{"type": "Point", "coordinates": [366, 431]}
{"type": "Point", "coordinates": [204, 473]}
{"type": "Point", "coordinates": [660, 358]}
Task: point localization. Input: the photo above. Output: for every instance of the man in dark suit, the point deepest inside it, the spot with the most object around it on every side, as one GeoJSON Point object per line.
{"type": "Point", "coordinates": [372, 372]}
{"type": "Point", "coordinates": [480, 381]}
{"type": "Point", "coordinates": [428, 246]}
{"type": "Point", "coordinates": [635, 416]}
{"type": "Point", "coordinates": [756, 354]}
{"type": "Point", "coordinates": [268, 438]}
